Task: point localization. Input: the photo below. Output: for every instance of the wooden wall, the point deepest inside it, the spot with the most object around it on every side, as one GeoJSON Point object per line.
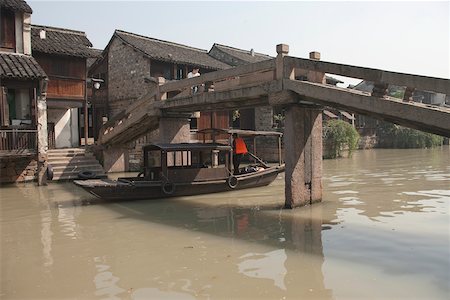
{"type": "Point", "coordinates": [66, 74]}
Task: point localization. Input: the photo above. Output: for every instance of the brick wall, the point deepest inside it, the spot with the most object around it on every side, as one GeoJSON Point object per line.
{"type": "Point", "coordinates": [17, 169]}
{"type": "Point", "coordinates": [136, 160]}
{"type": "Point", "coordinates": [127, 69]}
{"type": "Point", "coordinates": [266, 147]}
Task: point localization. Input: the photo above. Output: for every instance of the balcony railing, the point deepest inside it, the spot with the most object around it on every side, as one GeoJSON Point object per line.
{"type": "Point", "coordinates": [18, 141]}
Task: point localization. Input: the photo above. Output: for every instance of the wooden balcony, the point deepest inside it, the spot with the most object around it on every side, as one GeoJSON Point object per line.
{"type": "Point", "coordinates": [18, 142]}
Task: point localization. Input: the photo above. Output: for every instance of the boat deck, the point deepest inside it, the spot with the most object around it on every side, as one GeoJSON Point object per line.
{"type": "Point", "coordinates": [100, 182]}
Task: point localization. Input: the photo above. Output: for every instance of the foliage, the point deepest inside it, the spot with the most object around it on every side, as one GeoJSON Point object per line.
{"type": "Point", "coordinates": [395, 136]}
{"type": "Point", "coordinates": [339, 136]}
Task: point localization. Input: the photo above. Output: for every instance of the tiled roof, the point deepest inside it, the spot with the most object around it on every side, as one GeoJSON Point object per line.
{"type": "Point", "coordinates": [96, 54]}
{"type": "Point", "coordinates": [171, 52]}
{"type": "Point", "coordinates": [60, 41]}
{"type": "Point", "coordinates": [19, 66]}
{"type": "Point", "coordinates": [241, 56]}
{"type": "Point", "coordinates": [16, 5]}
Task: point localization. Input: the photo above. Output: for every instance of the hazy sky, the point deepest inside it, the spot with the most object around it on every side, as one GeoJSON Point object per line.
{"type": "Point", "coordinates": [411, 37]}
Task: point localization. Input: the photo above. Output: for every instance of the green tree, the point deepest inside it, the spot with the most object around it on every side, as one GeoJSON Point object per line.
{"type": "Point", "coordinates": [395, 136]}
{"type": "Point", "coordinates": [339, 136]}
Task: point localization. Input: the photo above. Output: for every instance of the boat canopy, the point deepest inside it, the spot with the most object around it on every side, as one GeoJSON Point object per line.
{"type": "Point", "coordinates": [240, 132]}
{"type": "Point", "coordinates": [187, 147]}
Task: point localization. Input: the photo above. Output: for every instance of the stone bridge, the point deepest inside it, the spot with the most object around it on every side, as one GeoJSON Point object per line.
{"type": "Point", "coordinates": [299, 86]}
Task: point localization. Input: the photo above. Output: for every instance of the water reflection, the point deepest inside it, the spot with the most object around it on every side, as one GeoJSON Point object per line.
{"type": "Point", "coordinates": [269, 265]}
{"type": "Point", "coordinates": [105, 281]}
{"type": "Point", "coordinates": [46, 237]}
{"type": "Point", "coordinates": [381, 232]}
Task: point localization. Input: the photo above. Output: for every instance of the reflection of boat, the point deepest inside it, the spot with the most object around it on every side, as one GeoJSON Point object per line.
{"type": "Point", "coordinates": [188, 169]}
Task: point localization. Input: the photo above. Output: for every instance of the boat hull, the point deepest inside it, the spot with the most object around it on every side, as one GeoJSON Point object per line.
{"type": "Point", "coordinates": [129, 189]}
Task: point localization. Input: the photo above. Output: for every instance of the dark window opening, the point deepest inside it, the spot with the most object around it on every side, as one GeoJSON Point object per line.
{"type": "Point", "coordinates": [7, 30]}
{"type": "Point", "coordinates": [19, 106]}
{"type": "Point", "coordinates": [193, 123]}
{"type": "Point", "coordinates": [161, 69]}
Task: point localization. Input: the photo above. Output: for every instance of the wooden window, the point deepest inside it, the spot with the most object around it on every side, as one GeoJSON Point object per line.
{"type": "Point", "coordinates": [7, 30]}
{"type": "Point", "coordinates": [4, 108]}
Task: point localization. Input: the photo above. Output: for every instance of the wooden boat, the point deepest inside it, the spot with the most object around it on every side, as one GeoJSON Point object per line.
{"type": "Point", "coordinates": [188, 169]}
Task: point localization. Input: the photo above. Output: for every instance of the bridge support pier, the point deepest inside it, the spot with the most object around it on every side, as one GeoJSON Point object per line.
{"type": "Point", "coordinates": [303, 155]}
{"type": "Point", "coordinates": [174, 129]}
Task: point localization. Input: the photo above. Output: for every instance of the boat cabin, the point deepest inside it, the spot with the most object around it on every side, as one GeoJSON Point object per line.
{"type": "Point", "coordinates": [187, 162]}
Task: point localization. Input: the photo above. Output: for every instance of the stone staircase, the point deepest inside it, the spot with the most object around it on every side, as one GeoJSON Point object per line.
{"type": "Point", "coordinates": [69, 162]}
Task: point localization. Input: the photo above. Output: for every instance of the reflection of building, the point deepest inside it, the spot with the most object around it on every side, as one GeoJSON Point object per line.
{"type": "Point", "coordinates": [63, 53]}
{"type": "Point", "coordinates": [22, 99]}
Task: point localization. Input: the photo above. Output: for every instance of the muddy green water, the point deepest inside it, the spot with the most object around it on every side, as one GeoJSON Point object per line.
{"type": "Point", "coordinates": [381, 232]}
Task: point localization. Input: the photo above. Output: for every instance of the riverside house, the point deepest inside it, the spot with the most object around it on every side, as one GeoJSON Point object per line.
{"type": "Point", "coordinates": [128, 62]}
{"type": "Point", "coordinates": [63, 54]}
{"type": "Point", "coordinates": [23, 121]}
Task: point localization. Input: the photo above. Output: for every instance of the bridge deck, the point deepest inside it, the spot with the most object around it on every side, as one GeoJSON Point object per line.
{"type": "Point", "coordinates": [272, 83]}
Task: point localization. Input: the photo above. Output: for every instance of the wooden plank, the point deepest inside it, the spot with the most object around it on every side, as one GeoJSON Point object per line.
{"type": "Point", "coordinates": [434, 84]}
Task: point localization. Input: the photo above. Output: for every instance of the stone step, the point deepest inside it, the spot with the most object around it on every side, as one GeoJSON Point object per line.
{"type": "Point", "coordinates": [64, 155]}
{"type": "Point", "coordinates": [67, 163]}
{"type": "Point", "coordinates": [72, 161]}
{"type": "Point", "coordinates": [78, 168]}
{"type": "Point", "coordinates": [67, 150]}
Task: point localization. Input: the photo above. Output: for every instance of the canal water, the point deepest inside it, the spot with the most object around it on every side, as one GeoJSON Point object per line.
{"type": "Point", "coordinates": [381, 232]}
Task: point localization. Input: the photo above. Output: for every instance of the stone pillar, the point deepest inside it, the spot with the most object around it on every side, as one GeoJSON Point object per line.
{"type": "Point", "coordinates": [115, 159]}
{"type": "Point", "coordinates": [174, 129]}
{"type": "Point", "coordinates": [303, 155]}
{"type": "Point", "coordinates": [42, 134]}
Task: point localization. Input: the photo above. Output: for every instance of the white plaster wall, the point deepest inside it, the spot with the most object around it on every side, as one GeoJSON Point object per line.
{"type": "Point", "coordinates": [66, 127]}
{"type": "Point", "coordinates": [19, 32]}
{"type": "Point", "coordinates": [26, 33]}
{"type": "Point", "coordinates": [74, 127]}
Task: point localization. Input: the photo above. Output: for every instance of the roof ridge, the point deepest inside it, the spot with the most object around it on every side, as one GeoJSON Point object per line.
{"type": "Point", "coordinates": [59, 29]}
{"type": "Point", "coordinates": [238, 49]}
{"type": "Point", "coordinates": [161, 41]}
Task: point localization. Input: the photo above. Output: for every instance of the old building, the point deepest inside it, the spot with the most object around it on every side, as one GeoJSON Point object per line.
{"type": "Point", "coordinates": [253, 118]}
{"type": "Point", "coordinates": [22, 97]}
{"type": "Point", "coordinates": [63, 54]}
{"type": "Point", "coordinates": [126, 65]}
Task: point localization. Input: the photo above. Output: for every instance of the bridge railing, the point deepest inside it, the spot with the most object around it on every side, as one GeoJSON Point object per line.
{"type": "Point", "coordinates": [295, 67]}
{"type": "Point", "coordinates": [220, 80]}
